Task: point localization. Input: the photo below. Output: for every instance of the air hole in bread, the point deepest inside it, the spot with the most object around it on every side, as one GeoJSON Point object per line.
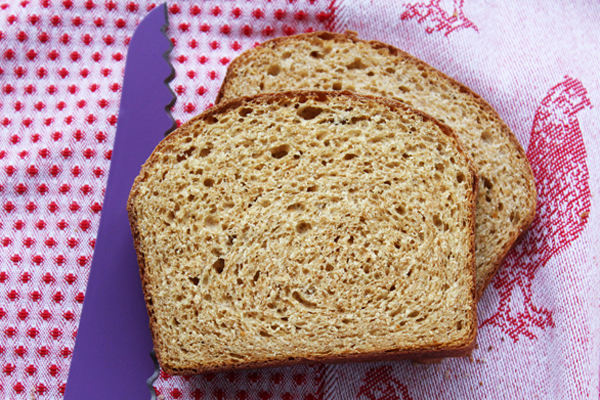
{"type": "Point", "coordinates": [286, 55]}
{"type": "Point", "coordinates": [401, 210]}
{"type": "Point", "coordinates": [514, 216]}
{"type": "Point", "coordinates": [459, 325]}
{"type": "Point", "coordinates": [354, 120]}
{"type": "Point", "coordinates": [500, 206]}
{"type": "Point", "coordinates": [211, 120]}
{"type": "Point", "coordinates": [280, 151]}
{"type": "Point", "coordinates": [390, 70]}
{"type": "Point", "coordinates": [396, 311]}
{"type": "Point", "coordinates": [439, 167]}
{"type": "Point", "coordinates": [487, 183]}
{"type": "Point", "coordinates": [210, 221]}
{"type": "Point", "coordinates": [245, 111]}
{"type": "Point", "coordinates": [208, 182]}
{"type": "Point", "coordinates": [309, 112]}
{"type": "Point", "coordinates": [298, 207]}
{"type": "Point", "coordinates": [274, 70]}
{"type": "Point", "coordinates": [336, 86]}
{"type": "Point", "coordinates": [316, 54]}
{"type": "Point", "coordinates": [264, 334]}
{"type": "Point", "coordinates": [303, 227]}
{"type": "Point", "coordinates": [296, 296]}
{"type": "Point", "coordinates": [256, 276]}
{"type": "Point", "coordinates": [183, 156]}
{"type": "Point", "coordinates": [460, 177]}
{"type": "Point", "coordinates": [437, 221]}
{"type": "Point", "coordinates": [487, 136]}
{"type": "Point", "coordinates": [350, 156]}
{"type": "Point", "coordinates": [371, 73]}
{"type": "Point", "coordinates": [357, 64]}
{"type": "Point", "coordinates": [195, 281]}
{"type": "Point", "coordinates": [170, 216]}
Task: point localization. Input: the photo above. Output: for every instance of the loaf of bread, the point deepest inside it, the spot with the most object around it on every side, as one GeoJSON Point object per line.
{"type": "Point", "coordinates": [306, 227]}
{"type": "Point", "coordinates": [329, 61]}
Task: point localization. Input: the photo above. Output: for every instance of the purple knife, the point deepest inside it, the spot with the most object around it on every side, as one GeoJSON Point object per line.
{"type": "Point", "coordinates": [112, 355]}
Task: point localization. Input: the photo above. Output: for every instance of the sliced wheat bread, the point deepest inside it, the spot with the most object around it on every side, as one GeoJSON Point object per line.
{"type": "Point", "coordinates": [329, 61]}
{"type": "Point", "coordinates": [306, 227]}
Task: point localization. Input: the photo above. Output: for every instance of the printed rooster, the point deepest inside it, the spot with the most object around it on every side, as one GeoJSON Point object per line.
{"type": "Point", "coordinates": [380, 384]}
{"type": "Point", "coordinates": [558, 159]}
{"type": "Point", "coordinates": [444, 16]}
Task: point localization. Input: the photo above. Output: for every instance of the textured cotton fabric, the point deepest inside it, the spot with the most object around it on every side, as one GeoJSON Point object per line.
{"type": "Point", "coordinates": [535, 62]}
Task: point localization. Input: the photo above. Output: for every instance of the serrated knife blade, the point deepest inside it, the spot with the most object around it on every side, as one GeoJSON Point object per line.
{"type": "Point", "coordinates": [111, 359]}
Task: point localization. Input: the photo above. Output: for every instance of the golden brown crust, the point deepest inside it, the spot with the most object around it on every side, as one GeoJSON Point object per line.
{"type": "Point", "coordinates": [352, 36]}
{"type": "Point", "coordinates": [432, 352]}
{"type": "Point", "coordinates": [422, 357]}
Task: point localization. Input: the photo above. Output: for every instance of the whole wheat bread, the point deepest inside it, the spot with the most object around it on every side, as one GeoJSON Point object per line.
{"type": "Point", "coordinates": [306, 227]}
{"type": "Point", "coordinates": [329, 61]}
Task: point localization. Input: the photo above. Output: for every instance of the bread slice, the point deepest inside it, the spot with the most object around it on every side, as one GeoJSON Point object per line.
{"type": "Point", "coordinates": [329, 61]}
{"type": "Point", "coordinates": [306, 227]}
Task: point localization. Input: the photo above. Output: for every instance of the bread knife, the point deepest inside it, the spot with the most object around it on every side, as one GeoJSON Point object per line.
{"type": "Point", "coordinates": [112, 354]}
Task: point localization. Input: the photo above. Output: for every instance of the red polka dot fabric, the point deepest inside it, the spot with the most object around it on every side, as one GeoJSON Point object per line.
{"type": "Point", "coordinates": [61, 73]}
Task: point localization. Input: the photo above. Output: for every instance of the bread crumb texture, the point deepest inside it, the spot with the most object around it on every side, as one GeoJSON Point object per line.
{"type": "Point", "coordinates": [326, 61]}
{"type": "Point", "coordinates": [305, 226]}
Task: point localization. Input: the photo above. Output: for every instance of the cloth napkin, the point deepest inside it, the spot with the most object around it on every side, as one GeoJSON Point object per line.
{"type": "Point", "coordinates": [536, 62]}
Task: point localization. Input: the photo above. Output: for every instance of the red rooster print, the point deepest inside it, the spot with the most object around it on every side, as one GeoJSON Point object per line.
{"type": "Point", "coordinates": [558, 160]}
{"type": "Point", "coordinates": [444, 16]}
{"type": "Point", "coordinates": [380, 384]}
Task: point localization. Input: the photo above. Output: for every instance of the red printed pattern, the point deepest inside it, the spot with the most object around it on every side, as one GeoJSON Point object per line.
{"type": "Point", "coordinates": [558, 160]}
{"type": "Point", "coordinates": [299, 382]}
{"type": "Point", "coordinates": [439, 17]}
{"type": "Point", "coordinates": [61, 67]}
{"type": "Point", "coordinates": [381, 384]}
